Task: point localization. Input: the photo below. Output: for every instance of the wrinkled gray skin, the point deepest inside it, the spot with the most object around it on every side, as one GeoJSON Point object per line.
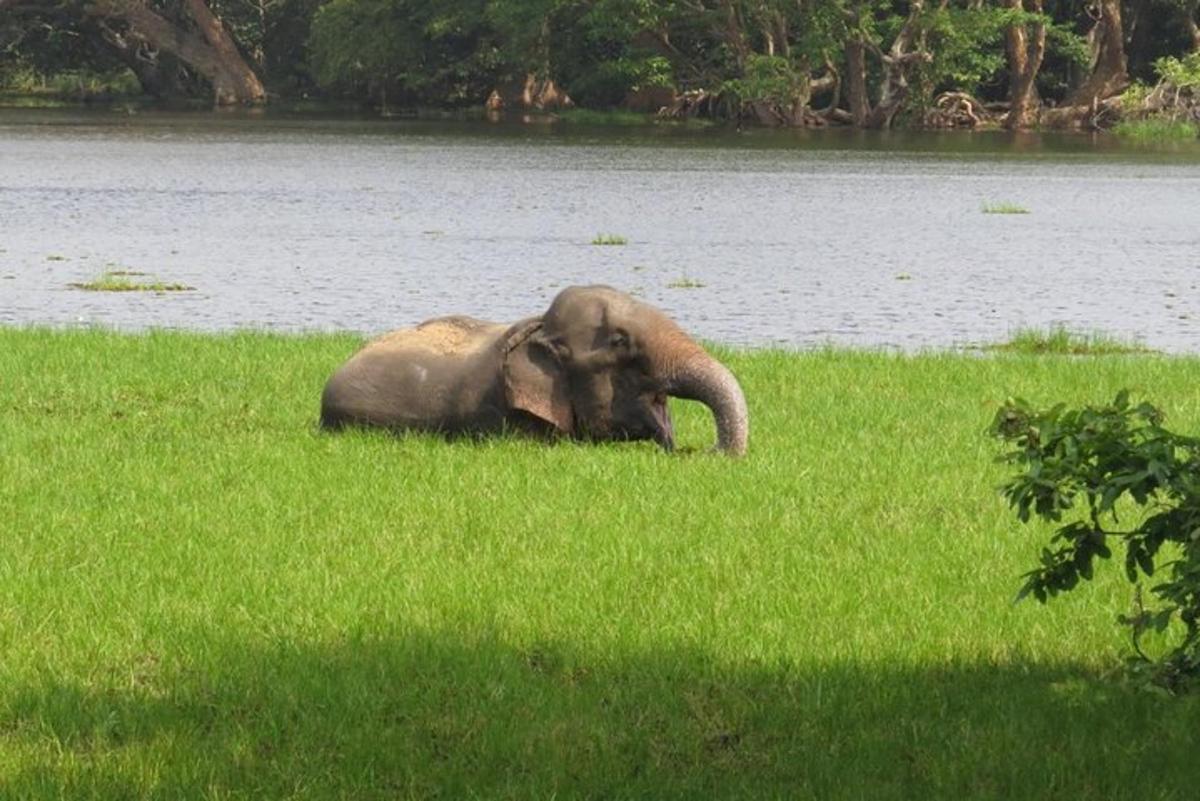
{"type": "Point", "coordinates": [597, 365]}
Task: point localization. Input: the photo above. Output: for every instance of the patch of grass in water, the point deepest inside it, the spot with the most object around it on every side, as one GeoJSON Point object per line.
{"type": "Point", "coordinates": [1062, 341]}
{"type": "Point", "coordinates": [56, 257]}
{"type": "Point", "coordinates": [609, 239]}
{"type": "Point", "coordinates": [686, 282]}
{"type": "Point", "coordinates": [118, 281]}
{"type": "Point", "coordinates": [1004, 208]}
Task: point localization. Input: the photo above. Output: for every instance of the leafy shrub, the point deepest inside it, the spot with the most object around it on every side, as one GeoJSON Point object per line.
{"type": "Point", "coordinates": [1107, 457]}
{"type": "Point", "coordinates": [1182, 73]}
{"type": "Point", "coordinates": [773, 79]}
{"type": "Point", "coordinates": [1170, 109]}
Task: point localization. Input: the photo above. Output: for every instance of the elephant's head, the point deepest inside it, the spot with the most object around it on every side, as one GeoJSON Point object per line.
{"type": "Point", "coordinates": [600, 365]}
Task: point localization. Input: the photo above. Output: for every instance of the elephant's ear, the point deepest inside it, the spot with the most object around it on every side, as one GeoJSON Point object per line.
{"type": "Point", "coordinates": [534, 380]}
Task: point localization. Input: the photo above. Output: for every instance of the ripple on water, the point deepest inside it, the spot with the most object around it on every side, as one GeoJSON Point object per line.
{"type": "Point", "coordinates": [316, 228]}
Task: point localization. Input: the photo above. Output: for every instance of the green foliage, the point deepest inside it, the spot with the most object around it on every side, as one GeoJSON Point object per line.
{"type": "Point", "coordinates": [771, 79]}
{"type": "Point", "coordinates": [1169, 110]}
{"type": "Point", "coordinates": [453, 52]}
{"type": "Point", "coordinates": [83, 84]}
{"type": "Point", "coordinates": [404, 49]}
{"type": "Point", "coordinates": [1134, 98]}
{"type": "Point", "coordinates": [1109, 457]}
{"type": "Point", "coordinates": [967, 47]}
{"type": "Point", "coordinates": [1181, 73]}
{"type": "Point", "coordinates": [599, 49]}
{"type": "Point", "coordinates": [1067, 55]}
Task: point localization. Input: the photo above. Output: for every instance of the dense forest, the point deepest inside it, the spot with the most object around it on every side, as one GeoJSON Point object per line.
{"type": "Point", "coordinates": [865, 63]}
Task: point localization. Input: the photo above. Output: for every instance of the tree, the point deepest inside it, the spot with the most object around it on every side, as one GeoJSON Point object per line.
{"type": "Point", "coordinates": [155, 43]}
{"type": "Point", "coordinates": [1106, 39]}
{"type": "Point", "coordinates": [908, 49]}
{"type": "Point", "coordinates": [1026, 46]}
{"type": "Point", "coordinates": [405, 50]}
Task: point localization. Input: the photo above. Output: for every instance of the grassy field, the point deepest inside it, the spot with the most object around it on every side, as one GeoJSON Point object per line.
{"type": "Point", "coordinates": [202, 596]}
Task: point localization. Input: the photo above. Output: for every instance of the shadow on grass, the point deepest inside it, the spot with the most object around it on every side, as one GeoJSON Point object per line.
{"type": "Point", "coordinates": [433, 717]}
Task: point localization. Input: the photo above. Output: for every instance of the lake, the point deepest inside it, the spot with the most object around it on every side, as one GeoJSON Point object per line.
{"type": "Point", "coordinates": [792, 238]}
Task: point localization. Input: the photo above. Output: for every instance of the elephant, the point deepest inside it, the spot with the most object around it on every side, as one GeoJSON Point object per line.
{"type": "Point", "coordinates": [598, 365]}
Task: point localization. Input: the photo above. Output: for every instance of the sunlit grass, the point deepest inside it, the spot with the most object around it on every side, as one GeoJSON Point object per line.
{"type": "Point", "coordinates": [685, 282]}
{"type": "Point", "coordinates": [609, 239]}
{"type": "Point", "coordinates": [1004, 208]}
{"type": "Point", "coordinates": [204, 596]}
{"type": "Point", "coordinates": [1063, 341]}
{"type": "Point", "coordinates": [120, 281]}
{"type": "Point", "coordinates": [1157, 129]}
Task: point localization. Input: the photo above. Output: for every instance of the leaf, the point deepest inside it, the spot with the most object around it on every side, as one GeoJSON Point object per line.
{"type": "Point", "coordinates": [1026, 589]}
{"type": "Point", "coordinates": [1131, 558]}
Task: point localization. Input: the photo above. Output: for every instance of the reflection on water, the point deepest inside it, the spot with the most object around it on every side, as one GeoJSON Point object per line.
{"type": "Point", "coordinates": [796, 238]}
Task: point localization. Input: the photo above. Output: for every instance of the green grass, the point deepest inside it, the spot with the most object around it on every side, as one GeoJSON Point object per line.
{"type": "Point", "coordinates": [609, 239]}
{"type": "Point", "coordinates": [203, 596]}
{"type": "Point", "coordinates": [1004, 208]}
{"type": "Point", "coordinates": [77, 84]}
{"type": "Point", "coordinates": [1060, 340]}
{"type": "Point", "coordinates": [119, 281]}
{"type": "Point", "coordinates": [686, 282]}
{"type": "Point", "coordinates": [1157, 129]}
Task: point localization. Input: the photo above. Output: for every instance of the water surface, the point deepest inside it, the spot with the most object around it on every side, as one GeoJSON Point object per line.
{"type": "Point", "coordinates": [751, 238]}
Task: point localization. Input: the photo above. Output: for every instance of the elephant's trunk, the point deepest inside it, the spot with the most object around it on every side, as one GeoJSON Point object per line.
{"type": "Point", "coordinates": [700, 377]}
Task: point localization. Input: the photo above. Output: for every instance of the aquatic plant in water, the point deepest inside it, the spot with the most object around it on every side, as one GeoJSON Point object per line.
{"type": "Point", "coordinates": [609, 239]}
{"type": "Point", "coordinates": [1004, 208]}
{"type": "Point", "coordinates": [118, 281]}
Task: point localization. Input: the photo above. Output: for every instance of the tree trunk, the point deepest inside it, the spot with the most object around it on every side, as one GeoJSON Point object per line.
{"type": "Point", "coordinates": [1025, 51]}
{"type": "Point", "coordinates": [1107, 38]}
{"type": "Point", "coordinates": [160, 74]}
{"type": "Point", "coordinates": [896, 62]}
{"type": "Point", "coordinates": [734, 35]}
{"type": "Point", "coordinates": [856, 81]}
{"type": "Point", "coordinates": [1193, 27]}
{"type": "Point", "coordinates": [528, 93]}
{"type": "Point", "coordinates": [209, 50]}
{"type": "Point", "coordinates": [233, 80]}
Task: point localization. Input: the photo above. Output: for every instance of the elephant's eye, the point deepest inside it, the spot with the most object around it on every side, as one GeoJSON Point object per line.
{"type": "Point", "coordinates": [619, 340]}
{"type": "Point", "coordinates": [560, 347]}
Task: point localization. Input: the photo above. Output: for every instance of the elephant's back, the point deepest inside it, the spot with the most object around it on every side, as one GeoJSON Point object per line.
{"type": "Point", "coordinates": [418, 377]}
{"type": "Point", "coordinates": [456, 336]}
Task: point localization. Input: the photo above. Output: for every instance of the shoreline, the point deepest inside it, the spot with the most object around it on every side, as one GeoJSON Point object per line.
{"type": "Point", "coordinates": [1054, 341]}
